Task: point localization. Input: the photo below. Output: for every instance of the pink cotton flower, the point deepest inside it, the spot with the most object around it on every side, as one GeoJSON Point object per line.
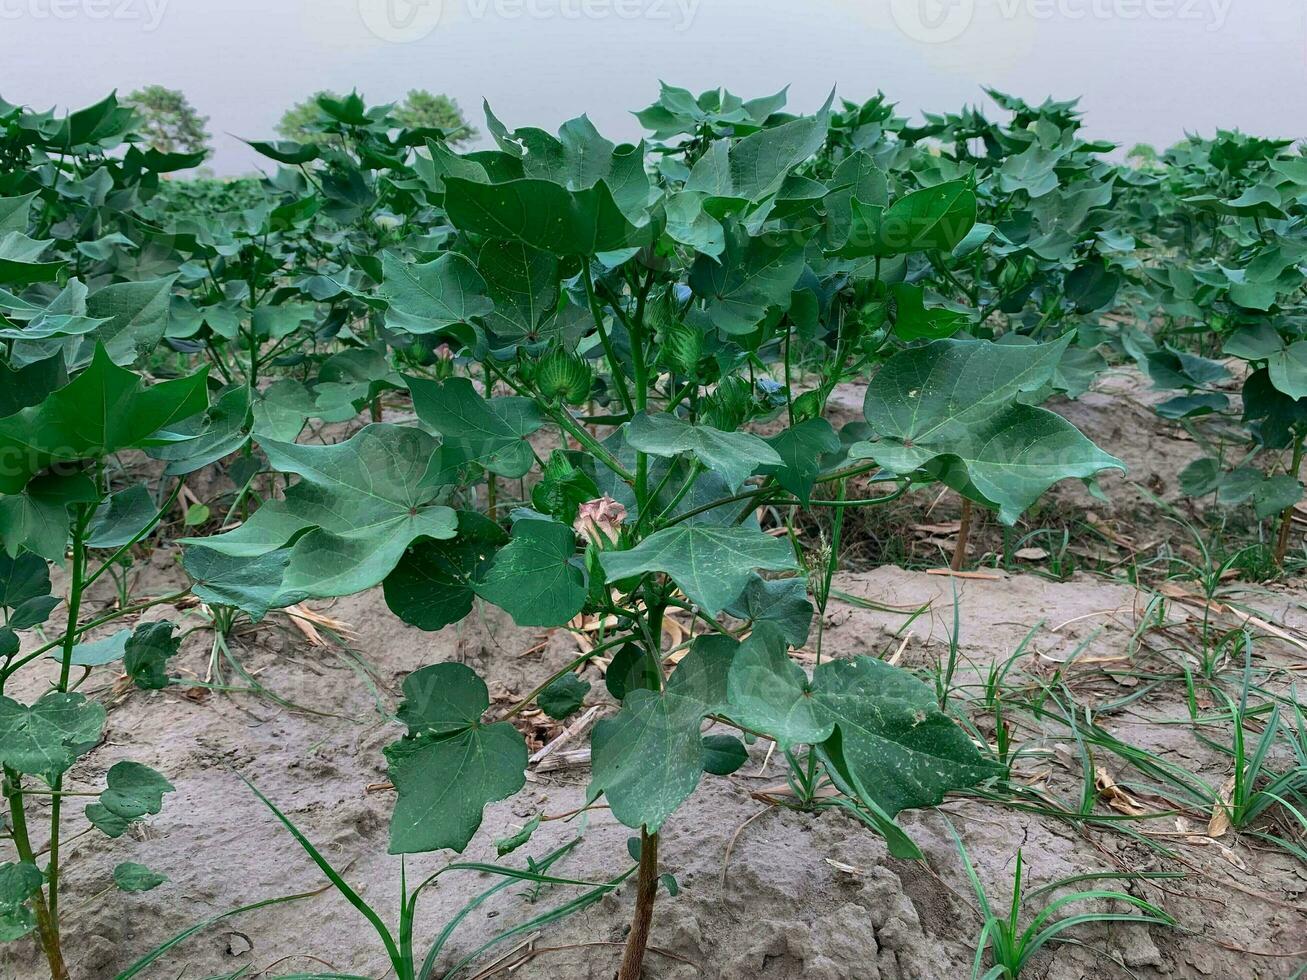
{"type": "Point", "coordinates": [600, 520]}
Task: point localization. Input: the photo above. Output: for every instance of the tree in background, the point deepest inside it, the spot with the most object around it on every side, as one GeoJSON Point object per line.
{"type": "Point", "coordinates": [420, 108]}
{"type": "Point", "coordinates": [168, 120]}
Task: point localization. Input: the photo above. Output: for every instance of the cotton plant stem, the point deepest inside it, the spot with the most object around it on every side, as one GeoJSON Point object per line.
{"type": "Point", "coordinates": [964, 531]}
{"type": "Point", "coordinates": [1286, 518]}
{"type": "Point", "coordinates": [619, 377]}
{"type": "Point", "coordinates": [46, 929]}
{"type": "Point", "coordinates": [76, 589]}
{"type": "Point", "coordinates": [492, 486]}
{"type": "Point", "coordinates": [646, 891]}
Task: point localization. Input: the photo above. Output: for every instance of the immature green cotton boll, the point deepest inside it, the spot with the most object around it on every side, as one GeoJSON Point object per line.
{"type": "Point", "coordinates": [729, 405]}
{"type": "Point", "coordinates": [807, 406]}
{"type": "Point", "coordinates": [682, 346]}
{"type": "Point", "coordinates": [563, 375]}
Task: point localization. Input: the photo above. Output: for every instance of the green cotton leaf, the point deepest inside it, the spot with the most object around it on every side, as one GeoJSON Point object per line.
{"type": "Point", "coordinates": [31, 384]}
{"type": "Point", "coordinates": [937, 218]}
{"type": "Point", "coordinates": [33, 612]}
{"type": "Point", "coordinates": [491, 432]}
{"type": "Point", "coordinates": [768, 692]}
{"type": "Point", "coordinates": [219, 432]}
{"type": "Point", "coordinates": [434, 584]}
{"type": "Point", "coordinates": [1192, 406]}
{"type": "Point", "coordinates": [37, 519]}
{"type": "Point", "coordinates": [253, 584]}
{"type": "Point", "coordinates": [800, 448]}
{"type": "Point", "coordinates": [732, 455]}
{"type": "Point", "coordinates": [1255, 342]}
{"type": "Point", "coordinates": [46, 738]}
{"type": "Point", "coordinates": [23, 579]}
{"type": "Point", "coordinates": [65, 316]}
{"type": "Point", "coordinates": [650, 756]}
{"type": "Point", "coordinates": [451, 763]}
{"type": "Point", "coordinates": [147, 652]}
{"type": "Point", "coordinates": [1078, 370]}
{"type": "Point", "coordinates": [97, 653]}
{"type": "Point", "coordinates": [902, 748]}
{"type": "Point", "coordinates": [121, 518]}
{"type": "Point", "coordinates": [1273, 414]}
{"type": "Point", "coordinates": [711, 565]}
{"type": "Point", "coordinates": [892, 737]}
{"type": "Point", "coordinates": [1258, 201]}
{"type": "Point", "coordinates": [523, 285]}
{"type": "Point", "coordinates": [132, 877]}
{"type": "Point", "coordinates": [630, 670]}
{"type": "Point", "coordinates": [533, 578]}
{"type": "Point", "coordinates": [1275, 495]}
{"type": "Point", "coordinates": [428, 297]}
{"type": "Point", "coordinates": [754, 168]}
{"type": "Point", "coordinates": [1091, 287]}
{"type": "Point", "coordinates": [20, 260]}
{"type": "Point", "coordinates": [857, 177]}
{"type": "Point", "coordinates": [18, 882]}
{"type": "Point", "coordinates": [1171, 368]}
{"type": "Point", "coordinates": [689, 224]}
{"type": "Point", "coordinates": [132, 791]}
{"type": "Point", "coordinates": [136, 315]}
{"type": "Point", "coordinates": [102, 411]}
{"type": "Point", "coordinates": [752, 276]}
{"type": "Point", "coordinates": [14, 212]}
{"type": "Point", "coordinates": [932, 219]}
{"type": "Point", "coordinates": [950, 412]}
{"type": "Point", "coordinates": [1200, 477]}
{"type": "Point", "coordinates": [781, 602]}
{"type": "Point", "coordinates": [356, 509]}
{"type": "Point", "coordinates": [1288, 369]}
{"type": "Point", "coordinates": [286, 151]}
{"type": "Point", "coordinates": [723, 754]}
{"type": "Point", "coordinates": [544, 215]}
{"type": "Point", "coordinates": [563, 697]}
{"type": "Point", "coordinates": [912, 321]}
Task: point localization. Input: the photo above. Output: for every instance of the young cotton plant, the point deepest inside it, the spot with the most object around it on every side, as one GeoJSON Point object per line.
{"type": "Point", "coordinates": [632, 327]}
{"type": "Point", "coordinates": [56, 501]}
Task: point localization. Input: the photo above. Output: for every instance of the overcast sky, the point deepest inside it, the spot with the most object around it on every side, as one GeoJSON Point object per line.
{"type": "Point", "coordinates": [1147, 70]}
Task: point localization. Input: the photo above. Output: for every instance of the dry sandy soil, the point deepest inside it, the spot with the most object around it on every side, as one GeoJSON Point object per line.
{"type": "Point", "coordinates": [803, 895]}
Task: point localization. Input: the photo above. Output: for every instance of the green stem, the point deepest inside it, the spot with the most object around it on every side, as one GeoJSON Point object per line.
{"type": "Point", "coordinates": [76, 589]}
{"type": "Point", "coordinates": [619, 376]}
{"type": "Point", "coordinates": [522, 705]}
{"type": "Point", "coordinates": [635, 328]}
{"type": "Point", "coordinates": [695, 469]}
{"type": "Point", "coordinates": [590, 443]}
{"type": "Point", "coordinates": [492, 485]}
{"type": "Point", "coordinates": [83, 630]}
{"type": "Point", "coordinates": [46, 927]}
{"type": "Point", "coordinates": [1286, 519]}
{"type": "Point", "coordinates": [136, 538]}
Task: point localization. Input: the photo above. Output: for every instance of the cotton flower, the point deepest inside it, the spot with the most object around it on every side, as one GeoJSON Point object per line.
{"type": "Point", "coordinates": [600, 519]}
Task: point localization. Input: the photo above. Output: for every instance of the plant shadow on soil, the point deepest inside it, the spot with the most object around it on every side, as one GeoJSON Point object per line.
{"type": "Point", "coordinates": [809, 895]}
